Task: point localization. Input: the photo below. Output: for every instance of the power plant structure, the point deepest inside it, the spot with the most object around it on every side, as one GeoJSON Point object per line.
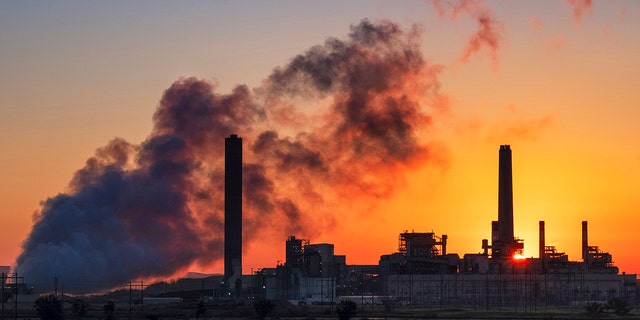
{"type": "Point", "coordinates": [233, 212]}
{"type": "Point", "coordinates": [503, 243]}
{"type": "Point", "coordinates": [422, 271]}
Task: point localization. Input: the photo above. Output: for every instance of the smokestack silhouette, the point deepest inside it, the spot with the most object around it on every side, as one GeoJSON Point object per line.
{"type": "Point", "coordinates": [541, 239]}
{"type": "Point", "coordinates": [505, 196]}
{"type": "Point", "coordinates": [233, 210]}
{"type": "Point", "coordinates": [585, 241]}
{"type": "Point", "coordinates": [504, 244]}
{"type": "Point", "coordinates": [160, 203]}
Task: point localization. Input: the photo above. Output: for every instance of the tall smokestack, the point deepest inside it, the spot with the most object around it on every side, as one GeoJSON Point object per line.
{"type": "Point", "coordinates": [542, 244]}
{"type": "Point", "coordinates": [233, 210]}
{"type": "Point", "coordinates": [505, 196]}
{"type": "Point", "coordinates": [444, 244]}
{"type": "Point", "coordinates": [585, 241]}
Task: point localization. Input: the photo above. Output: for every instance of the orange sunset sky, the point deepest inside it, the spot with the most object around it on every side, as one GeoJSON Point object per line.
{"type": "Point", "coordinates": [558, 80]}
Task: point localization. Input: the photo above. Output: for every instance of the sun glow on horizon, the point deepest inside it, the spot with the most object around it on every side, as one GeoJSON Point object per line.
{"type": "Point", "coordinates": [519, 256]}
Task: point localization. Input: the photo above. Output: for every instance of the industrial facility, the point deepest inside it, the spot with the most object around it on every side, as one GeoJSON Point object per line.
{"type": "Point", "coordinates": [422, 272]}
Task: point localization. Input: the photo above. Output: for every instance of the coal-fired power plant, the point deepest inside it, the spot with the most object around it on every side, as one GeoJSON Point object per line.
{"type": "Point", "coordinates": [154, 210]}
{"type": "Point", "coordinates": [422, 271]}
{"type": "Point", "coordinates": [233, 211]}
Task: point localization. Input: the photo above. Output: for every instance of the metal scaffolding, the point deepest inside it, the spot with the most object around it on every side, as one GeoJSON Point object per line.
{"type": "Point", "coordinates": [10, 283]}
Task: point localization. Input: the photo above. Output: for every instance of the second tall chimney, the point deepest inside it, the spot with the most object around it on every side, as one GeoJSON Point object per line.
{"type": "Point", "coordinates": [233, 211]}
{"type": "Point", "coordinates": [505, 196]}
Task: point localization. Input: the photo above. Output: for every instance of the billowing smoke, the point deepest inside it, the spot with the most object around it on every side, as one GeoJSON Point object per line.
{"type": "Point", "coordinates": [334, 128]}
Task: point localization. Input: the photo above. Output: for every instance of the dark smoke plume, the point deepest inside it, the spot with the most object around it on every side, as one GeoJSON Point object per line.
{"type": "Point", "coordinates": [336, 127]}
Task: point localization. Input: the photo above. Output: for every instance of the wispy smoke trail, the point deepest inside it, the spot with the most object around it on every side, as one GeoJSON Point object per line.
{"type": "Point", "coordinates": [537, 24]}
{"type": "Point", "coordinates": [339, 124]}
{"type": "Point", "coordinates": [489, 33]}
{"type": "Point", "coordinates": [486, 36]}
{"type": "Point", "coordinates": [580, 8]}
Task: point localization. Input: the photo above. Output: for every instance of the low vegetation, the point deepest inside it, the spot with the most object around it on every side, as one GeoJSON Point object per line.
{"type": "Point", "coordinates": [346, 309]}
{"type": "Point", "coordinates": [264, 308]}
{"type": "Point", "coordinates": [49, 307]}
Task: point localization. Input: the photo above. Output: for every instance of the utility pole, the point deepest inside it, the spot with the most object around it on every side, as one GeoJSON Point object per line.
{"type": "Point", "coordinates": [136, 303]}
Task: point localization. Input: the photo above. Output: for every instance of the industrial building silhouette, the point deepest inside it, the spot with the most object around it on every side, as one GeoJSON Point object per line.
{"type": "Point", "coordinates": [422, 272]}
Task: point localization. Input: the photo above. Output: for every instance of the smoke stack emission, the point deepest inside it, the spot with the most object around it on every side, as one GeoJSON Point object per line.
{"type": "Point", "coordinates": [490, 31]}
{"type": "Point", "coordinates": [580, 8]}
{"type": "Point", "coordinates": [156, 209]}
{"type": "Point", "coordinates": [233, 209]}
